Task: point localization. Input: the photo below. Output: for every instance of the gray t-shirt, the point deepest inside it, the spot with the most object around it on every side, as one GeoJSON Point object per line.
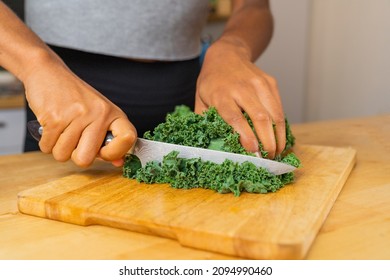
{"type": "Point", "coordinates": [144, 29]}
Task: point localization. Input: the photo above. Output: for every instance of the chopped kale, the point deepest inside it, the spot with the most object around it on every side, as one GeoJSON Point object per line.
{"type": "Point", "coordinates": [131, 165]}
{"type": "Point", "coordinates": [210, 131]}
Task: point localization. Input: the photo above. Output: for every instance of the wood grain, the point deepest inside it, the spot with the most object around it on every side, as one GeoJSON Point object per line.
{"type": "Point", "coordinates": [279, 225]}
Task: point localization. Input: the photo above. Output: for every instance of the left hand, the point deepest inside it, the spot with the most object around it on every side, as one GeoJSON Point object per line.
{"type": "Point", "coordinates": [231, 83]}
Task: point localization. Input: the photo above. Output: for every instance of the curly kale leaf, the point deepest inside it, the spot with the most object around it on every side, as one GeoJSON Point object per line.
{"type": "Point", "coordinates": [131, 165]}
{"type": "Point", "coordinates": [291, 159]}
{"type": "Point", "coordinates": [223, 178]}
{"type": "Point", "coordinates": [210, 131]}
{"type": "Point", "coordinates": [290, 139]}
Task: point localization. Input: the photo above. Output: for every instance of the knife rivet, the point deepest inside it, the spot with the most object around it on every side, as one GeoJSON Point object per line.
{"type": "Point", "coordinates": [108, 138]}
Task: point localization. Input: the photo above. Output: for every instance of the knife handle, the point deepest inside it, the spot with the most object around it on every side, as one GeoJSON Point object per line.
{"type": "Point", "coordinates": [36, 130]}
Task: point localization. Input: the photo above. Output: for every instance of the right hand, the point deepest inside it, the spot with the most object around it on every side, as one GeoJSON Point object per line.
{"type": "Point", "coordinates": [74, 116]}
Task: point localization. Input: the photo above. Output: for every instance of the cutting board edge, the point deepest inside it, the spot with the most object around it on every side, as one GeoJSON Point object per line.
{"type": "Point", "coordinates": [228, 245]}
{"type": "Point", "coordinates": [28, 206]}
{"type": "Point", "coordinates": [340, 185]}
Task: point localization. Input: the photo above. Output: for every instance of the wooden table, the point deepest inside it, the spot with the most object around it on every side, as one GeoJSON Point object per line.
{"type": "Point", "coordinates": [358, 226]}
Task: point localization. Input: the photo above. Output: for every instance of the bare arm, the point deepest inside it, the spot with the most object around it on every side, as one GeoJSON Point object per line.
{"type": "Point", "coordinates": [232, 83]}
{"type": "Point", "coordinates": [74, 116]}
{"type": "Point", "coordinates": [249, 27]}
{"type": "Point", "coordinates": [19, 47]}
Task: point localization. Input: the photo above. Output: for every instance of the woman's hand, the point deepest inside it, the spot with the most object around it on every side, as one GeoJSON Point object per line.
{"type": "Point", "coordinates": [230, 82]}
{"type": "Point", "coordinates": [74, 116]}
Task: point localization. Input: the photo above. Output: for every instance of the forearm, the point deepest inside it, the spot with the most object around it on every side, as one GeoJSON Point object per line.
{"type": "Point", "coordinates": [20, 49]}
{"type": "Point", "coordinates": [249, 28]}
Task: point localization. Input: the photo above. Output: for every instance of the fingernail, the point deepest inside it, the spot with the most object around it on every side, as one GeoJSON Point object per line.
{"type": "Point", "coordinates": [258, 154]}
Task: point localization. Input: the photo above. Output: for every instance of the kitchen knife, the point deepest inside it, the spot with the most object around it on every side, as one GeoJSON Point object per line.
{"type": "Point", "coordinates": [148, 150]}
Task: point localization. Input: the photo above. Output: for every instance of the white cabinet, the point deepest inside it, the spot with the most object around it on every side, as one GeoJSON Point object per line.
{"type": "Point", "coordinates": [12, 130]}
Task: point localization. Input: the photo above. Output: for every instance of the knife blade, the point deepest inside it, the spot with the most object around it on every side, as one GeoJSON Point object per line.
{"type": "Point", "coordinates": [149, 150]}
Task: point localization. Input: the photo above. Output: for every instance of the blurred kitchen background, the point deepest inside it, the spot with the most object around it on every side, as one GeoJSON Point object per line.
{"type": "Point", "coordinates": [331, 59]}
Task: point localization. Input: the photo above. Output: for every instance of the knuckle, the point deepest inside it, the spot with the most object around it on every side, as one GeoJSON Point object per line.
{"type": "Point", "coordinates": [261, 117]}
{"type": "Point", "coordinates": [279, 118]}
{"type": "Point", "coordinates": [102, 107]}
{"type": "Point", "coordinates": [129, 137]}
{"type": "Point", "coordinates": [109, 155]}
{"type": "Point", "coordinates": [49, 117]}
{"type": "Point", "coordinates": [82, 159]}
{"type": "Point", "coordinates": [81, 162]}
{"type": "Point", "coordinates": [259, 82]}
{"type": "Point", "coordinates": [272, 81]}
{"type": "Point", "coordinates": [60, 156]}
{"type": "Point", "coordinates": [79, 109]}
{"type": "Point", "coordinates": [45, 145]}
{"type": "Point", "coordinates": [49, 122]}
{"type": "Point", "coordinates": [44, 148]}
{"type": "Point", "coordinates": [234, 118]}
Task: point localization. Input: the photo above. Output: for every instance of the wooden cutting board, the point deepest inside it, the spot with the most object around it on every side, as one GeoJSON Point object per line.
{"type": "Point", "coordinates": [279, 225]}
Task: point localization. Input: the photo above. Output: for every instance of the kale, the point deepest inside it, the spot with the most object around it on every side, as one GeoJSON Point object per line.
{"type": "Point", "coordinates": [290, 139]}
{"type": "Point", "coordinates": [210, 131]}
{"type": "Point", "coordinates": [291, 159]}
{"type": "Point", "coordinates": [131, 165]}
